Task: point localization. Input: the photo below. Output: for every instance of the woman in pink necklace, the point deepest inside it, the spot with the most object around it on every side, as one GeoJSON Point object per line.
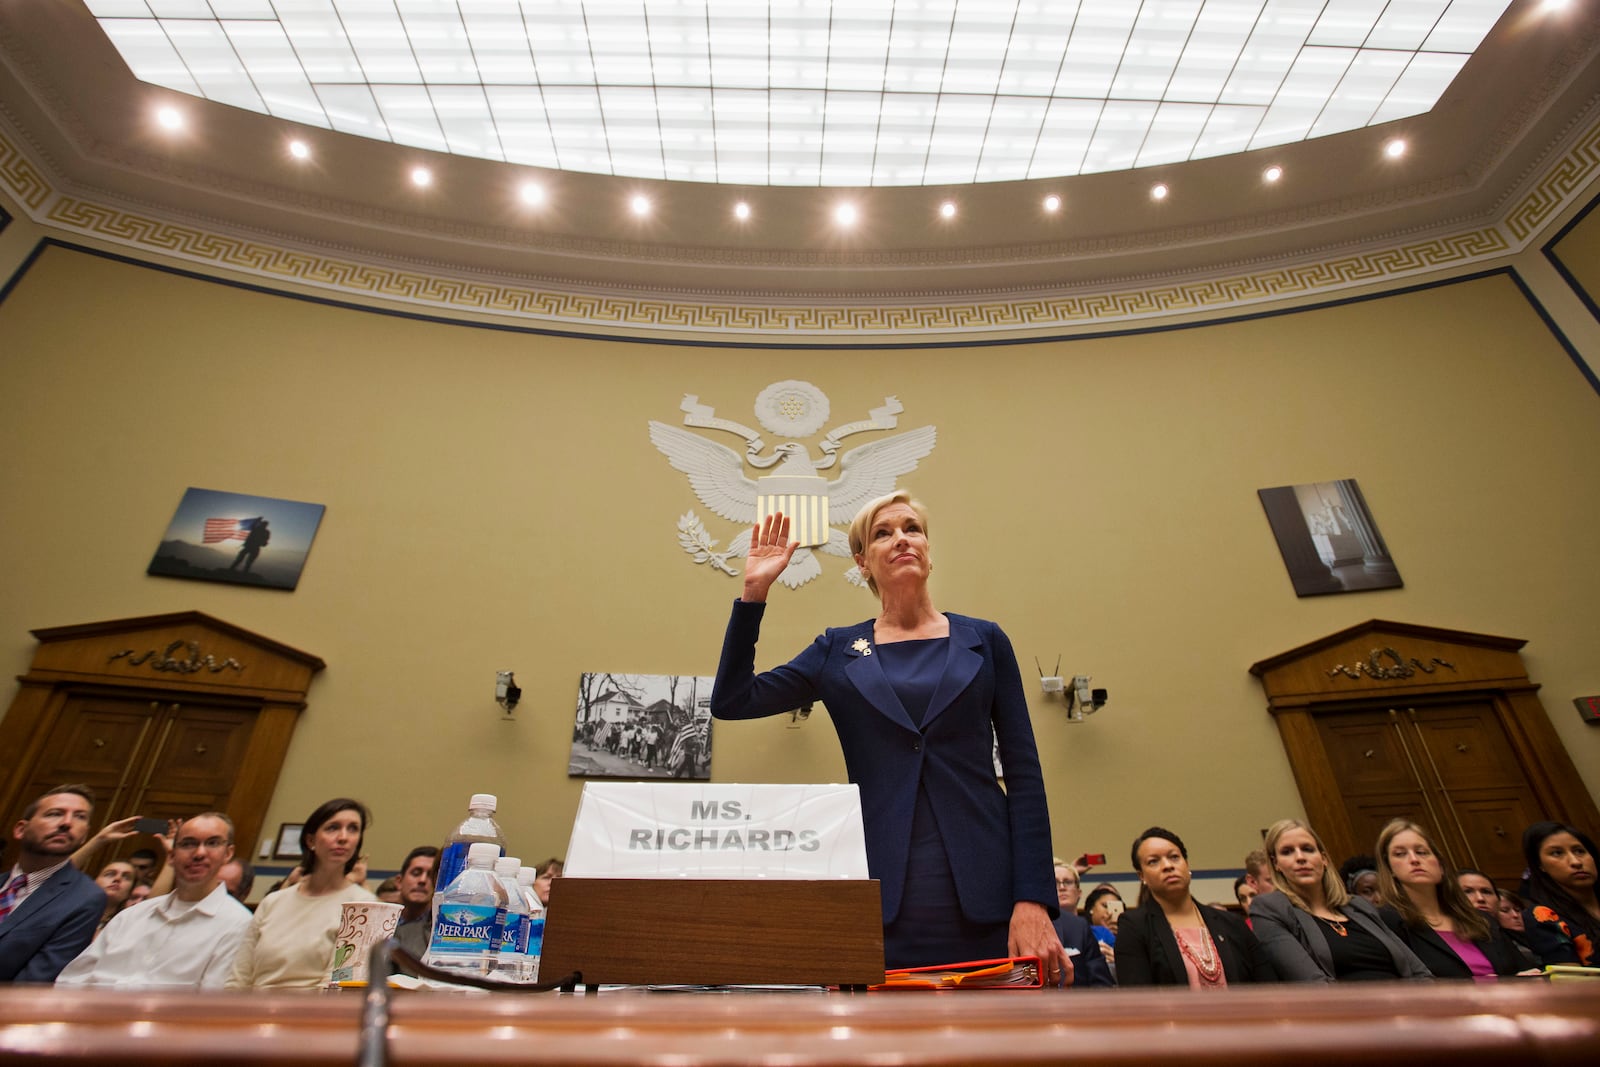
{"type": "Point", "coordinates": [1169, 939]}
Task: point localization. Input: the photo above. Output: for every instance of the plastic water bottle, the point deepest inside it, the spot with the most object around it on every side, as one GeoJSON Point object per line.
{"type": "Point", "coordinates": [536, 915]}
{"type": "Point", "coordinates": [479, 825]}
{"type": "Point", "coordinates": [512, 962]}
{"type": "Point", "coordinates": [469, 920]}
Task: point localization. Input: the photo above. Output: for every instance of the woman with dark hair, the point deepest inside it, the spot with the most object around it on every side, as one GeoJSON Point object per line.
{"type": "Point", "coordinates": [1103, 908]}
{"type": "Point", "coordinates": [1169, 939]}
{"type": "Point", "coordinates": [1424, 905]}
{"type": "Point", "coordinates": [290, 941]}
{"type": "Point", "coordinates": [1312, 929]}
{"type": "Point", "coordinates": [1508, 913]}
{"type": "Point", "coordinates": [1563, 916]}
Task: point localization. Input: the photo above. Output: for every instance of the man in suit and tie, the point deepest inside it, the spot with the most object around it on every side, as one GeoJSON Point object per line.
{"type": "Point", "coordinates": [48, 908]}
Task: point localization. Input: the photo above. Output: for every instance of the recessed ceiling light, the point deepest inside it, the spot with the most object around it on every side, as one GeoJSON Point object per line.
{"type": "Point", "coordinates": [1272, 174]}
{"type": "Point", "coordinates": [947, 210]}
{"type": "Point", "coordinates": [421, 177]}
{"type": "Point", "coordinates": [299, 150]}
{"type": "Point", "coordinates": [639, 205]}
{"type": "Point", "coordinates": [845, 215]}
{"type": "Point", "coordinates": [1554, 5]}
{"type": "Point", "coordinates": [1395, 148]}
{"type": "Point", "coordinates": [1158, 191]}
{"type": "Point", "coordinates": [1052, 202]}
{"type": "Point", "coordinates": [532, 193]}
{"type": "Point", "coordinates": [170, 118]}
{"type": "Point", "coordinates": [741, 211]}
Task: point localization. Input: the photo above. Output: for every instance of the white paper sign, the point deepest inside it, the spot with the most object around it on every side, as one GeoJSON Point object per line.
{"type": "Point", "coordinates": [700, 830]}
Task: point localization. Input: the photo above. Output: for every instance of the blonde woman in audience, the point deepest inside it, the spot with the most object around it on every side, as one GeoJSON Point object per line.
{"type": "Point", "coordinates": [1423, 904]}
{"type": "Point", "coordinates": [290, 941]}
{"type": "Point", "coordinates": [1312, 929]}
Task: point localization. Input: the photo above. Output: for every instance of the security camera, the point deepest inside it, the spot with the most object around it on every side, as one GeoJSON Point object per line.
{"type": "Point", "coordinates": [1083, 701]}
{"type": "Point", "coordinates": [506, 693]}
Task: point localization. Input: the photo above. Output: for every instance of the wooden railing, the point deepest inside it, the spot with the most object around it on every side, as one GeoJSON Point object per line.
{"type": "Point", "coordinates": [1506, 1025]}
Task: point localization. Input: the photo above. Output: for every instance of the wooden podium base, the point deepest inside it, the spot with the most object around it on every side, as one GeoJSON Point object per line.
{"type": "Point", "coordinates": [686, 931]}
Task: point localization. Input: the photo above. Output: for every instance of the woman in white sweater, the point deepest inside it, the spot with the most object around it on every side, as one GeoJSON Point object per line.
{"type": "Point", "coordinates": [290, 943]}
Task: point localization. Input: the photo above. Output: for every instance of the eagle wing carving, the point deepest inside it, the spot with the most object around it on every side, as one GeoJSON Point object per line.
{"type": "Point", "coordinates": [715, 472]}
{"type": "Point", "coordinates": [870, 470]}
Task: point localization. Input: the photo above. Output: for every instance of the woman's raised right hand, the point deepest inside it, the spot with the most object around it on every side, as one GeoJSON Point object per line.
{"type": "Point", "coordinates": [770, 552]}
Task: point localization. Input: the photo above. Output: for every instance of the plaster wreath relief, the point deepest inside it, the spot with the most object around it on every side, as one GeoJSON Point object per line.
{"type": "Point", "coordinates": [820, 509]}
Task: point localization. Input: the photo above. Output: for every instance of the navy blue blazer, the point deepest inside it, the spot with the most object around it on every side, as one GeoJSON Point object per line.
{"type": "Point", "coordinates": [998, 840]}
{"type": "Point", "coordinates": [48, 930]}
{"type": "Point", "coordinates": [1089, 967]}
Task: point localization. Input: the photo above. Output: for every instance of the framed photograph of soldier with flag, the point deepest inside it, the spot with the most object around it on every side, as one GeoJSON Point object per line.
{"type": "Point", "coordinates": [642, 726]}
{"type": "Point", "coordinates": [233, 537]}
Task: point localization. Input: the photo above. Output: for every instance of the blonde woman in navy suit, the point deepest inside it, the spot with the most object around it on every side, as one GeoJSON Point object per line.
{"type": "Point", "coordinates": [918, 697]}
{"type": "Point", "coordinates": [1312, 929]}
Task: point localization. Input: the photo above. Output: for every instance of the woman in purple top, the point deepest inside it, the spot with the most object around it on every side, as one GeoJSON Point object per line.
{"type": "Point", "coordinates": [1425, 907]}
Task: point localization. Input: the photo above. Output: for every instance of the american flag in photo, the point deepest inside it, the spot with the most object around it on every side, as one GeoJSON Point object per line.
{"type": "Point", "coordinates": [227, 530]}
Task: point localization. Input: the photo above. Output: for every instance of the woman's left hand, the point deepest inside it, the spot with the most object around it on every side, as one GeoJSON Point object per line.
{"type": "Point", "coordinates": [1032, 934]}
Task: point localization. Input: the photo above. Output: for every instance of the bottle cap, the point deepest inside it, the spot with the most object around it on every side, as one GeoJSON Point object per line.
{"type": "Point", "coordinates": [484, 800]}
{"type": "Point", "coordinates": [482, 853]}
{"type": "Point", "coordinates": [507, 865]}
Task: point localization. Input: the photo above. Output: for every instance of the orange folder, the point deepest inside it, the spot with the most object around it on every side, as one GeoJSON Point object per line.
{"type": "Point", "coordinates": [1014, 972]}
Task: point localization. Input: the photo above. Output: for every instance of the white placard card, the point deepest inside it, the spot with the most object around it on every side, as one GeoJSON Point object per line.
{"type": "Point", "coordinates": [700, 830]}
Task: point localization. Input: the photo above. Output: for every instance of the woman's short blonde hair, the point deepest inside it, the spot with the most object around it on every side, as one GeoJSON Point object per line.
{"type": "Point", "coordinates": [1332, 888]}
{"type": "Point", "coordinates": [860, 525]}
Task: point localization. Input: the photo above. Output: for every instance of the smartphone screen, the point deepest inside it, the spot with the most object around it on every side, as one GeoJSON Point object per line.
{"type": "Point", "coordinates": [151, 826]}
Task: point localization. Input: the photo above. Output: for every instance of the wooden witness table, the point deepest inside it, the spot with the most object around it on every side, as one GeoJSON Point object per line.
{"type": "Point", "coordinates": [1513, 1024]}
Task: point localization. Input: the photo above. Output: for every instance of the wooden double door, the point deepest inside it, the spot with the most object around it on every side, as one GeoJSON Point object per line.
{"type": "Point", "coordinates": [161, 716]}
{"type": "Point", "coordinates": [1449, 767]}
{"type": "Point", "coordinates": [1392, 720]}
{"type": "Point", "coordinates": [164, 756]}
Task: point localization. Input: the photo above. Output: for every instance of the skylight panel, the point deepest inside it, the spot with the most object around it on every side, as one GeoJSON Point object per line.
{"type": "Point", "coordinates": [264, 49]}
{"type": "Point", "coordinates": [519, 119]}
{"type": "Point", "coordinates": [408, 113]}
{"type": "Point", "coordinates": [144, 46]}
{"type": "Point", "coordinates": [1406, 25]}
{"type": "Point", "coordinates": [352, 109]}
{"type": "Point", "coordinates": [1094, 83]}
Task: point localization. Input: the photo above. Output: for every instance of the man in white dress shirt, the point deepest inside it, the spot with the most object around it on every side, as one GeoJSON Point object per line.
{"type": "Point", "coordinates": [185, 939]}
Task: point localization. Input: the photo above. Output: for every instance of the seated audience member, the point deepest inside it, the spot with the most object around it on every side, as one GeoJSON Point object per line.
{"type": "Point", "coordinates": [48, 907]}
{"type": "Point", "coordinates": [116, 881]}
{"type": "Point", "coordinates": [1089, 967]}
{"type": "Point", "coordinates": [1563, 917]}
{"type": "Point", "coordinates": [416, 899]}
{"type": "Point", "coordinates": [1478, 889]}
{"type": "Point", "coordinates": [388, 890]}
{"type": "Point", "coordinates": [289, 943]}
{"type": "Point", "coordinates": [146, 864]}
{"type": "Point", "coordinates": [238, 876]}
{"type": "Point", "coordinates": [1508, 913]}
{"type": "Point", "coordinates": [548, 871]}
{"type": "Point", "coordinates": [1244, 893]}
{"type": "Point", "coordinates": [1424, 905]}
{"type": "Point", "coordinates": [1258, 871]}
{"type": "Point", "coordinates": [1168, 939]}
{"type": "Point", "coordinates": [1069, 887]}
{"type": "Point", "coordinates": [1103, 908]}
{"type": "Point", "coordinates": [1360, 877]}
{"type": "Point", "coordinates": [1311, 929]}
{"type": "Point", "coordinates": [185, 939]}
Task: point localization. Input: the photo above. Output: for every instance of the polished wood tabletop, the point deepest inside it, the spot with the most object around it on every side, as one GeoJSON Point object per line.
{"type": "Point", "coordinates": [1510, 1024]}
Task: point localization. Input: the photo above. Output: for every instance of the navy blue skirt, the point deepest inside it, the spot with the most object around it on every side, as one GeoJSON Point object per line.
{"type": "Point", "coordinates": [930, 928]}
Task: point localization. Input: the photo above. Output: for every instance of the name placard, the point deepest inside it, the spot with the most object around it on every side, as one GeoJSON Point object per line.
{"type": "Point", "coordinates": [698, 830]}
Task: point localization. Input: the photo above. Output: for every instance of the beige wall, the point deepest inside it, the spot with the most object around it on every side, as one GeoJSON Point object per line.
{"type": "Point", "coordinates": [493, 502]}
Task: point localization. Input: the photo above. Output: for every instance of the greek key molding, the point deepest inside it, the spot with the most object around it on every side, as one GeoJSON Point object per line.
{"type": "Point", "coordinates": [436, 288]}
